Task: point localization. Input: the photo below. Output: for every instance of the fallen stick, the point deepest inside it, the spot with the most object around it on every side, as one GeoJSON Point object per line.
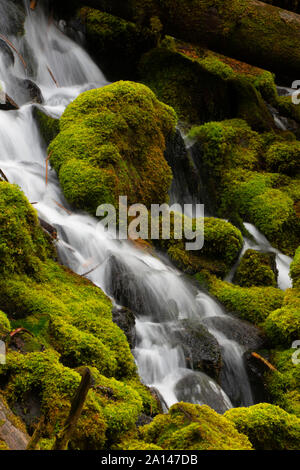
{"type": "Point", "coordinates": [16, 51]}
{"type": "Point", "coordinates": [62, 207]}
{"type": "Point", "coordinates": [96, 267]}
{"type": "Point", "coordinates": [33, 4]}
{"type": "Point", "coordinates": [63, 438]}
{"type": "Point", "coordinates": [52, 76]}
{"type": "Point", "coordinates": [262, 359]}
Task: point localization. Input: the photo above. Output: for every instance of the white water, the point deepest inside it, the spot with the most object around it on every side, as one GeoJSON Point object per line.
{"type": "Point", "coordinates": [162, 293]}
{"type": "Point", "coordinates": [260, 243]}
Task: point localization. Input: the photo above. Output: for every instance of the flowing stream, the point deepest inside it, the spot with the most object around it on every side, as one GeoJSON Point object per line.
{"type": "Point", "coordinates": [163, 296]}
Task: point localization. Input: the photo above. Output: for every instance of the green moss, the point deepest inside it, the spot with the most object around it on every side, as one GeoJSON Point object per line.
{"type": "Point", "coordinates": [267, 426]}
{"type": "Point", "coordinates": [195, 80]}
{"type": "Point", "coordinates": [283, 325]}
{"type": "Point", "coordinates": [49, 127]}
{"type": "Point", "coordinates": [193, 427]}
{"type": "Point", "coordinates": [110, 36]}
{"type": "Point", "coordinates": [22, 244]}
{"type": "Point", "coordinates": [111, 143]}
{"type": "Point", "coordinates": [283, 384]}
{"type": "Point", "coordinates": [4, 324]}
{"type": "Point", "coordinates": [231, 158]}
{"type": "Point", "coordinates": [256, 269]}
{"type": "Point", "coordinates": [295, 269]}
{"type": "Point", "coordinates": [254, 304]}
{"type": "Point", "coordinates": [222, 244]}
{"type": "Point", "coordinates": [284, 157]}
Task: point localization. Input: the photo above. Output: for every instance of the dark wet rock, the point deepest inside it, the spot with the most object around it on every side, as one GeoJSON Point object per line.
{"type": "Point", "coordinates": [201, 349]}
{"type": "Point", "coordinates": [14, 438]}
{"type": "Point", "coordinates": [125, 320]}
{"type": "Point", "coordinates": [197, 387]}
{"type": "Point", "coordinates": [143, 420]}
{"type": "Point", "coordinates": [256, 370]}
{"type": "Point", "coordinates": [242, 332]}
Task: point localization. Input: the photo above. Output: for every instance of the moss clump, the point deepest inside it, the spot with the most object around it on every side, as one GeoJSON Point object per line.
{"type": "Point", "coordinates": [222, 244]}
{"type": "Point", "coordinates": [254, 304]}
{"type": "Point", "coordinates": [4, 324]}
{"type": "Point", "coordinates": [71, 323]}
{"type": "Point", "coordinates": [23, 245]}
{"type": "Point", "coordinates": [283, 384]}
{"type": "Point", "coordinates": [195, 80]}
{"type": "Point", "coordinates": [267, 426]}
{"type": "Point", "coordinates": [49, 127]}
{"type": "Point", "coordinates": [256, 269]}
{"type": "Point", "coordinates": [111, 143]}
{"type": "Point", "coordinates": [231, 158]}
{"type": "Point", "coordinates": [112, 37]}
{"type": "Point", "coordinates": [295, 269]}
{"type": "Point", "coordinates": [193, 427]}
{"type": "Point", "coordinates": [284, 157]}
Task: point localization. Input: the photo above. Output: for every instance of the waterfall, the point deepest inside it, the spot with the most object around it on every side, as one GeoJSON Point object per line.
{"type": "Point", "coordinates": [162, 297]}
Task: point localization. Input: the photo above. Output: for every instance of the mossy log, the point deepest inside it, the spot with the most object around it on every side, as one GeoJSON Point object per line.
{"type": "Point", "coordinates": [249, 30]}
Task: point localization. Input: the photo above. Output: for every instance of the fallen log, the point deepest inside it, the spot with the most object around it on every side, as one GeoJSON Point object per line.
{"type": "Point", "coordinates": [248, 30]}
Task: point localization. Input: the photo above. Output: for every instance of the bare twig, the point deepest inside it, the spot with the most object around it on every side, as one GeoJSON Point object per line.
{"type": "Point", "coordinates": [47, 160]}
{"type": "Point", "coordinates": [52, 76]}
{"type": "Point", "coordinates": [33, 4]}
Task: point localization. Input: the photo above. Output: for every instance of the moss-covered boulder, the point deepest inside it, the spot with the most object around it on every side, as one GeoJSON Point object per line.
{"type": "Point", "coordinates": [254, 304]}
{"type": "Point", "coordinates": [267, 426]}
{"type": "Point", "coordinates": [256, 269]}
{"type": "Point", "coordinates": [5, 326]}
{"type": "Point", "coordinates": [111, 143]}
{"type": "Point", "coordinates": [295, 269]}
{"type": "Point", "coordinates": [116, 43]}
{"type": "Point", "coordinates": [231, 158]}
{"type": "Point", "coordinates": [284, 384]}
{"type": "Point", "coordinates": [193, 427]}
{"type": "Point", "coordinates": [195, 81]}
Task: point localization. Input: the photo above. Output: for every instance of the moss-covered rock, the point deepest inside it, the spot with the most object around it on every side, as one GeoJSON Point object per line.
{"type": "Point", "coordinates": [231, 158]}
{"type": "Point", "coordinates": [116, 43]}
{"type": "Point", "coordinates": [193, 427]}
{"type": "Point", "coordinates": [23, 245]}
{"type": "Point", "coordinates": [70, 321]}
{"type": "Point", "coordinates": [284, 157]}
{"type": "Point", "coordinates": [222, 244]}
{"type": "Point", "coordinates": [254, 304]}
{"type": "Point", "coordinates": [295, 269]}
{"type": "Point", "coordinates": [267, 426]}
{"type": "Point", "coordinates": [111, 143]}
{"type": "Point", "coordinates": [256, 269]}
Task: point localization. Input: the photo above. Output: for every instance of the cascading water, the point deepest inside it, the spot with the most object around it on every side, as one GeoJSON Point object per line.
{"type": "Point", "coordinates": [159, 294]}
